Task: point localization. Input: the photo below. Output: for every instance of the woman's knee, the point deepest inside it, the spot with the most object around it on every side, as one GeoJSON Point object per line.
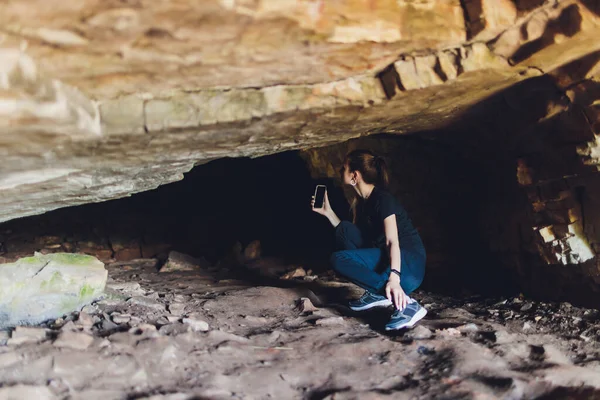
{"type": "Point", "coordinates": [334, 259]}
{"type": "Point", "coordinates": [413, 271]}
{"type": "Point", "coordinates": [348, 236]}
{"type": "Point", "coordinates": [412, 280]}
{"type": "Point", "coordinates": [337, 260]}
{"type": "Point", "coordinates": [410, 284]}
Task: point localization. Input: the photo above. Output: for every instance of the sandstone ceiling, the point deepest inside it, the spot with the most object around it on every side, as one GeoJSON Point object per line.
{"type": "Point", "coordinates": [101, 99]}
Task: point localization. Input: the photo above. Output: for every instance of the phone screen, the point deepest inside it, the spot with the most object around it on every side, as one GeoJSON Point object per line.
{"type": "Point", "coordinates": [319, 196]}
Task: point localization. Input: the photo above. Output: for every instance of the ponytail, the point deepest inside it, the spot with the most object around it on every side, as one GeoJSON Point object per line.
{"type": "Point", "coordinates": [383, 178]}
{"type": "Point", "coordinates": [353, 208]}
{"type": "Point", "coordinates": [373, 170]}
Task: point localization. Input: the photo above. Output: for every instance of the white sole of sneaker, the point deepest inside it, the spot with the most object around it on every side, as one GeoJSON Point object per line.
{"type": "Point", "coordinates": [418, 316]}
{"type": "Point", "coordinates": [380, 303]}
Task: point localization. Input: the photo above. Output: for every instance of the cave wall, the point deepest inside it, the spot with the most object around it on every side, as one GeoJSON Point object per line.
{"type": "Point", "coordinates": [521, 169]}
{"type": "Point", "coordinates": [445, 195]}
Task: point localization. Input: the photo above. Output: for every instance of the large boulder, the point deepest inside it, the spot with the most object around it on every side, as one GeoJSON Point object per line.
{"type": "Point", "coordinates": [34, 289]}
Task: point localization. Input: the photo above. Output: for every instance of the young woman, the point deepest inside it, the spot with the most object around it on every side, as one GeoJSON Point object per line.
{"type": "Point", "coordinates": [380, 251]}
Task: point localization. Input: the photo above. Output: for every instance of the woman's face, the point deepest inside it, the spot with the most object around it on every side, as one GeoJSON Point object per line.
{"type": "Point", "coordinates": [346, 175]}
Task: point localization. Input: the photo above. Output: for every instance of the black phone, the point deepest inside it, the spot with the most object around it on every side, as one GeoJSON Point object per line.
{"type": "Point", "coordinates": [319, 196]}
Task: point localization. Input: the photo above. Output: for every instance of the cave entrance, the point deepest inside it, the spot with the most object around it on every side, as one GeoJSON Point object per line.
{"type": "Point", "coordinates": [238, 210]}
{"type": "Point", "coordinates": [218, 206]}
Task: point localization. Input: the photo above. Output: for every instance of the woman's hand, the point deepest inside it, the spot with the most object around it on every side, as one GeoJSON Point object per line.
{"type": "Point", "coordinates": [325, 210]}
{"type": "Point", "coordinates": [394, 292]}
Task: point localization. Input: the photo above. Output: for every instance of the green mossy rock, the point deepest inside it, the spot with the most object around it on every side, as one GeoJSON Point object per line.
{"type": "Point", "coordinates": [42, 287]}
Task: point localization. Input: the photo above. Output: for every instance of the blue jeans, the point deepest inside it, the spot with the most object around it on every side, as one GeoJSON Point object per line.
{"type": "Point", "coordinates": [369, 268]}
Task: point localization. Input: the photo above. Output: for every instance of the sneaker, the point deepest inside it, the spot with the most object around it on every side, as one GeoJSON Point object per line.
{"type": "Point", "coordinates": [369, 300]}
{"type": "Point", "coordinates": [406, 318]}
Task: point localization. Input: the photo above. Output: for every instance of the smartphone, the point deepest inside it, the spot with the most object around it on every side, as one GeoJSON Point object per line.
{"type": "Point", "coordinates": [320, 196]}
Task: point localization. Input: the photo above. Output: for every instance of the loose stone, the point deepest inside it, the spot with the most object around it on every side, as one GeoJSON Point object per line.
{"type": "Point", "coordinates": [182, 262]}
{"type": "Point", "coordinates": [468, 328]}
{"type": "Point", "coordinates": [174, 329]}
{"type": "Point", "coordinates": [419, 333]}
{"type": "Point", "coordinates": [74, 340]}
{"type": "Point", "coordinates": [305, 305]}
{"type": "Point", "coordinates": [176, 308]}
{"type": "Point", "coordinates": [196, 324]}
{"type": "Point", "coordinates": [296, 273]}
{"type": "Point", "coordinates": [23, 334]}
{"type": "Point", "coordinates": [120, 318]}
{"type": "Point", "coordinates": [330, 321]}
{"type": "Point", "coordinates": [85, 319]}
{"type": "Point", "coordinates": [146, 302]}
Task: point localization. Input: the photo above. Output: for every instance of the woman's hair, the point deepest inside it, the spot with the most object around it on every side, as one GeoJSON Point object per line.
{"type": "Point", "coordinates": [372, 168]}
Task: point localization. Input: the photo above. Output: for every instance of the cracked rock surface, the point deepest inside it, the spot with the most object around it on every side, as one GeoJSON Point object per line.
{"type": "Point", "coordinates": [101, 100]}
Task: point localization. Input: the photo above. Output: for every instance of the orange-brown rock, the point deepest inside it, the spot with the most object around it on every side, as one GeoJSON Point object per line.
{"type": "Point", "coordinates": [102, 99]}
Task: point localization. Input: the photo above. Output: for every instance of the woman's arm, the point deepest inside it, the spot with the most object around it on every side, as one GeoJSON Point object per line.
{"type": "Point", "coordinates": [326, 210]}
{"type": "Point", "coordinates": [334, 219]}
{"type": "Point", "coordinates": [392, 242]}
{"type": "Point", "coordinates": [393, 290]}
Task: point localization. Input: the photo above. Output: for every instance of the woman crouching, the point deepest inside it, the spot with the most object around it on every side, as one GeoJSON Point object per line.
{"type": "Point", "coordinates": [380, 250]}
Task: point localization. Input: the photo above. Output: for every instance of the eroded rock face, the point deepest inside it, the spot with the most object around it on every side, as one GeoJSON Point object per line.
{"type": "Point", "coordinates": [516, 176]}
{"type": "Point", "coordinates": [103, 100]}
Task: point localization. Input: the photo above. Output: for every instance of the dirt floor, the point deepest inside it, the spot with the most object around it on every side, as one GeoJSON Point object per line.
{"type": "Point", "coordinates": [218, 333]}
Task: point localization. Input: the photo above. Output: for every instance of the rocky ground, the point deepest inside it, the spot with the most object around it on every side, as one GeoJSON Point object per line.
{"type": "Point", "coordinates": [216, 333]}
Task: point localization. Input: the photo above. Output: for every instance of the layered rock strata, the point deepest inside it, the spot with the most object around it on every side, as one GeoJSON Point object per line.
{"type": "Point", "coordinates": [102, 100]}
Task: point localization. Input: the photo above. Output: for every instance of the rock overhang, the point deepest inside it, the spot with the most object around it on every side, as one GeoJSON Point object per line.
{"type": "Point", "coordinates": [102, 101]}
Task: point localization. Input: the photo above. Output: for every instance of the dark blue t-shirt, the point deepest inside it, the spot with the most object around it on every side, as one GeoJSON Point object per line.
{"type": "Point", "coordinates": [371, 213]}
